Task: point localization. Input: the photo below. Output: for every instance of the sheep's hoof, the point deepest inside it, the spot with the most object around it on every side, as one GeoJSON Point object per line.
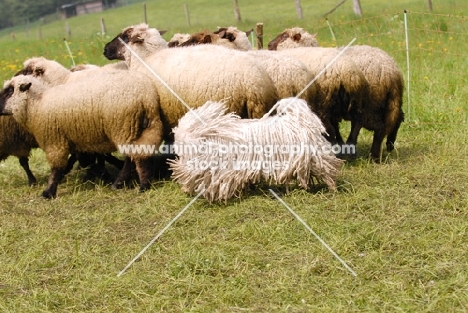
{"type": "Point", "coordinates": [46, 194]}
{"type": "Point", "coordinates": [32, 183]}
{"type": "Point", "coordinates": [102, 175]}
{"type": "Point", "coordinates": [390, 146]}
{"type": "Point", "coordinates": [144, 187]}
{"type": "Point", "coordinates": [117, 186]}
{"type": "Point", "coordinates": [375, 159]}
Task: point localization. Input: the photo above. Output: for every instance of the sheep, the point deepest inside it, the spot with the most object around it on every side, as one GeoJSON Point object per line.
{"type": "Point", "coordinates": [14, 140]}
{"type": "Point", "coordinates": [196, 74]}
{"type": "Point", "coordinates": [293, 38]}
{"type": "Point", "coordinates": [239, 39]}
{"type": "Point", "coordinates": [333, 97]}
{"type": "Point", "coordinates": [290, 76]}
{"type": "Point", "coordinates": [53, 73]}
{"type": "Point", "coordinates": [187, 40]}
{"type": "Point", "coordinates": [382, 113]}
{"type": "Point", "coordinates": [229, 37]}
{"type": "Point", "coordinates": [83, 67]}
{"type": "Point", "coordinates": [342, 85]}
{"type": "Point", "coordinates": [226, 155]}
{"type": "Point", "coordinates": [382, 110]}
{"type": "Point", "coordinates": [177, 40]}
{"type": "Point", "coordinates": [91, 115]}
{"type": "Point", "coordinates": [111, 66]}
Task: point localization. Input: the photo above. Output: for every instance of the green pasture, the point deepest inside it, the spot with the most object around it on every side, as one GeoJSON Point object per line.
{"type": "Point", "coordinates": [401, 225]}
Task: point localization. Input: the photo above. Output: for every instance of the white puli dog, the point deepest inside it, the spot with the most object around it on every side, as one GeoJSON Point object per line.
{"type": "Point", "coordinates": [222, 154]}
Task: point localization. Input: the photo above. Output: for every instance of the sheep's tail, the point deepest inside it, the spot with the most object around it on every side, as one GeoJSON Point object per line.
{"type": "Point", "coordinates": [394, 115]}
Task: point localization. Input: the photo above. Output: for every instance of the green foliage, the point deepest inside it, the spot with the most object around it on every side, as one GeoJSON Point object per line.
{"type": "Point", "coordinates": [15, 12]}
{"type": "Point", "coordinates": [401, 225]}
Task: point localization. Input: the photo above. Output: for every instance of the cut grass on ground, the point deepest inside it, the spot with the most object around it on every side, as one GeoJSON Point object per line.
{"type": "Point", "coordinates": [400, 225]}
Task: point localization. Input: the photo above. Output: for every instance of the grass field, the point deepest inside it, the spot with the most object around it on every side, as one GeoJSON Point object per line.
{"type": "Point", "coordinates": [402, 225]}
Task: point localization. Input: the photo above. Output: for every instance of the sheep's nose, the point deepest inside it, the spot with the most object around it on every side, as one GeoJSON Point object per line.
{"type": "Point", "coordinates": [107, 51]}
{"type": "Point", "coordinates": [110, 51]}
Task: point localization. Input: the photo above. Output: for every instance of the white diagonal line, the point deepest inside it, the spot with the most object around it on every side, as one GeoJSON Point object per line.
{"type": "Point", "coordinates": [316, 76]}
{"type": "Point", "coordinates": [313, 233]}
{"type": "Point", "coordinates": [160, 79]}
{"type": "Point", "coordinates": [160, 233]}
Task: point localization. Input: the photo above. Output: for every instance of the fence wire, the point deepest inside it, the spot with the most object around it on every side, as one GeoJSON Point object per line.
{"type": "Point", "coordinates": [438, 58]}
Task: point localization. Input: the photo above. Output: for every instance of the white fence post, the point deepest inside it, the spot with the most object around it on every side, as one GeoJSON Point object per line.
{"type": "Point", "coordinates": [407, 64]}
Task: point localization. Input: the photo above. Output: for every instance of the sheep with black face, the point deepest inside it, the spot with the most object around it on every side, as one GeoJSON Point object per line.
{"type": "Point", "coordinates": [92, 115]}
{"type": "Point", "coordinates": [381, 111]}
{"type": "Point", "coordinates": [15, 140]}
{"type": "Point", "coordinates": [196, 74]}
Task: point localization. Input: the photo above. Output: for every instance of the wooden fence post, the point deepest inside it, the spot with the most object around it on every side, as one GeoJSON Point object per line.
{"type": "Point", "coordinates": [236, 11]}
{"type": "Point", "coordinates": [103, 27]}
{"type": "Point", "coordinates": [357, 7]}
{"type": "Point", "coordinates": [67, 30]}
{"type": "Point", "coordinates": [187, 15]}
{"type": "Point", "coordinates": [27, 28]}
{"type": "Point", "coordinates": [429, 5]}
{"type": "Point", "coordinates": [299, 9]}
{"type": "Point", "coordinates": [259, 32]}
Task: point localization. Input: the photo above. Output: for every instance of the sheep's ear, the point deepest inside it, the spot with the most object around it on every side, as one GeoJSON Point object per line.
{"type": "Point", "coordinates": [172, 44]}
{"type": "Point", "coordinates": [207, 39]}
{"type": "Point", "coordinates": [27, 70]}
{"type": "Point", "coordinates": [137, 38]}
{"type": "Point", "coordinates": [162, 32]}
{"type": "Point", "coordinates": [249, 32]}
{"type": "Point", "coordinates": [296, 37]}
{"type": "Point", "coordinates": [38, 71]}
{"type": "Point", "coordinates": [129, 32]}
{"type": "Point", "coordinates": [23, 72]}
{"type": "Point", "coordinates": [125, 36]}
{"type": "Point", "coordinates": [221, 33]}
{"type": "Point", "coordinates": [25, 87]}
{"type": "Point", "coordinates": [230, 36]}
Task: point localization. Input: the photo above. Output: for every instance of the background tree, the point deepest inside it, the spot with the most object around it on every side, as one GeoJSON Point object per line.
{"type": "Point", "coordinates": [15, 12]}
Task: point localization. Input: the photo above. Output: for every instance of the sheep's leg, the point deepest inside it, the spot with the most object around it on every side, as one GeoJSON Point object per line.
{"type": "Point", "coordinates": [331, 133]}
{"type": "Point", "coordinates": [376, 144]}
{"type": "Point", "coordinates": [24, 162]}
{"type": "Point", "coordinates": [391, 137]}
{"type": "Point", "coordinates": [109, 158]}
{"type": "Point", "coordinates": [98, 169]}
{"type": "Point", "coordinates": [339, 140]}
{"type": "Point", "coordinates": [55, 177]}
{"type": "Point", "coordinates": [353, 135]}
{"type": "Point", "coordinates": [71, 161]}
{"type": "Point", "coordinates": [86, 159]}
{"type": "Point", "coordinates": [124, 174]}
{"type": "Point", "coordinates": [143, 167]}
